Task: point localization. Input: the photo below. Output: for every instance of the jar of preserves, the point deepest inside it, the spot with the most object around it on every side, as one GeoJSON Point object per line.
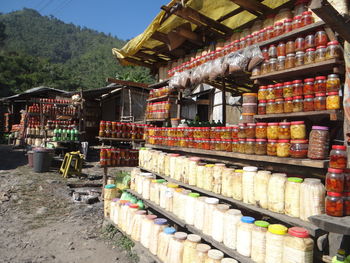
{"type": "Point", "coordinates": [259, 241]}
{"type": "Point", "coordinates": [333, 101]}
{"type": "Point", "coordinates": [347, 180]}
{"type": "Point", "coordinates": [281, 49]}
{"type": "Point", "coordinates": [261, 146]}
{"type": "Point", "coordinates": [320, 102]}
{"type": "Point", "coordinates": [309, 86]}
{"type": "Point", "coordinates": [260, 188]}
{"type": "Point", "coordinates": [310, 41]}
{"type": "Point", "coordinates": [247, 117]}
{"type": "Point", "coordinates": [334, 204]}
{"type": "Point", "coordinates": [312, 199]}
{"type": "Point", "coordinates": [284, 130]}
{"type": "Point", "coordinates": [283, 147]}
{"type": "Point", "coordinates": [298, 130]}
{"type": "Point", "coordinates": [298, 246]}
{"type": "Point", "coordinates": [202, 253]}
{"type": "Point", "coordinates": [226, 133]}
{"type": "Point", "coordinates": [272, 131]}
{"type": "Point", "coordinates": [249, 146]}
{"type": "Point", "coordinates": [231, 219]}
{"type": "Point", "coordinates": [272, 147]}
{"type": "Point", "coordinates": [262, 93]}
{"type": "Point", "coordinates": [214, 256]}
{"type": "Point", "coordinates": [278, 29]}
{"type": "Point", "coordinates": [278, 90]}
{"type": "Point", "coordinates": [333, 50]}
{"type": "Point", "coordinates": [158, 226]}
{"type": "Point", "coordinates": [250, 130]}
{"type": "Point", "coordinates": [237, 185]}
{"type": "Point", "coordinates": [256, 71]}
{"type": "Point", "coordinates": [338, 158]}
{"type": "Point", "coordinates": [279, 105]}
{"type": "Point", "coordinates": [249, 108]}
{"type": "Point", "coordinates": [210, 204]}
{"type": "Point", "coordinates": [272, 65]}
{"type": "Point", "coordinates": [290, 61]}
{"type": "Point", "coordinates": [287, 25]}
{"type": "Point", "coordinates": [199, 212]}
{"type": "Point", "coordinates": [270, 92]}
{"type": "Point", "coordinates": [321, 38]}
{"type": "Point", "coordinates": [320, 85]}
{"type": "Point", "coordinates": [292, 197]}
{"type": "Point", "coordinates": [335, 180]}
{"type": "Point", "coordinates": [290, 48]}
{"type": "Point", "coordinates": [261, 130]}
{"type": "Point", "coordinates": [265, 53]}
{"type": "Point", "coordinates": [262, 107]}
{"type": "Point", "coordinates": [274, 243]}
{"type": "Point", "coordinates": [241, 145]}
{"type": "Point", "coordinates": [189, 252]}
{"type": "Point", "coordinates": [235, 131]}
{"type": "Point", "coordinates": [333, 83]}
{"type": "Point", "coordinates": [244, 235]}
{"type": "Point", "coordinates": [269, 32]}
{"type": "Point", "coordinates": [270, 107]}
{"type": "Point", "coordinates": [299, 44]}
{"type": "Point", "coordinates": [320, 53]}
{"type": "Point", "coordinates": [297, 87]}
{"type": "Point", "coordinates": [318, 143]}
{"type": "Point", "coordinates": [288, 105]}
{"type": "Point", "coordinates": [241, 131]}
{"type": "Point", "coordinates": [272, 51]}
{"type": "Point", "coordinates": [234, 145]}
{"type": "Point", "coordinates": [346, 204]}
{"type": "Point", "coordinates": [307, 18]}
{"type": "Point", "coordinates": [262, 35]}
{"type": "Point", "coordinates": [309, 103]}
{"type": "Point", "coordinates": [281, 63]}
{"type": "Point", "coordinates": [218, 223]}
{"type": "Point", "coordinates": [176, 247]}
{"type": "Point", "coordinates": [309, 56]}
{"type": "Point", "coordinates": [299, 59]}
{"type": "Point", "coordinates": [297, 23]}
{"type": "Point", "coordinates": [298, 104]}
{"type": "Point", "coordinates": [164, 239]}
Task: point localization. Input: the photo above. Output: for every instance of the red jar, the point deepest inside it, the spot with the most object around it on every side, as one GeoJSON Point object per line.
{"type": "Point", "coordinates": [299, 44]}
{"type": "Point", "coordinates": [334, 204]}
{"type": "Point", "coordinates": [269, 32]}
{"type": "Point", "coordinates": [338, 157]}
{"type": "Point", "coordinates": [265, 53]}
{"type": "Point", "coordinates": [278, 90]}
{"type": "Point", "coordinates": [281, 49]}
{"type": "Point", "coordinates": [309, 86]}
{"type": "Point", "coordinates": [262, 35]}
{"type": "Point", "coordinates": [335, 180]}
{"type": "Point", "coordinates": [309, 103]}
{"type": "Point", "coordinates": [346, 204]}
{"type": "Point", "coordinates": [262, 107]}
{"type": "Point", "coordinates": [287, 25]}
{"type": "Point", "coordinates": [298, 88]}
{"type": "Point", "coordinates": [297, 22]}
{"type": "Point", "coordinates": [307, 18]}
{"type": "Point", "coordinates": [310, 41]}
{"type": "Point", "coordinates": [320, 85]}
{"type": "Point", "coordinates": [272, 51]}
{"type": "Point", "coordinates": [248, 41]}
{"type": "Point", "coordinates": [278, 30]}
{"type": "Point", "coordinates": [290, 47]}
{"type": "Point", "coordinates": [321, 38]}
{"type": "Point", "coordinates": [255, 38]}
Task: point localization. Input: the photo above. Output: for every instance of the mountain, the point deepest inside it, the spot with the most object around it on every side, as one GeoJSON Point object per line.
{"type": "Point", "coordinates": [40, 50]}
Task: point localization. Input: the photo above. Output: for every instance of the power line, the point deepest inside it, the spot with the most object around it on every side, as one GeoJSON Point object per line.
{"type": "Point", "coordinates": [46, 5]}
{"type": "Point", "coordinates": [39, 5]}
{"type": "Point", "coordinates": [61, 7]}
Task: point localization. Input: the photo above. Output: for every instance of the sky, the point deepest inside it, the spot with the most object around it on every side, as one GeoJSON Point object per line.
{"type": "Point", "coordinates": [122, 18]}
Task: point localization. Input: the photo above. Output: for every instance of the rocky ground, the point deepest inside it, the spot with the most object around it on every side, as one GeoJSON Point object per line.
{"type": "Point", "coordinates": [39, 221]}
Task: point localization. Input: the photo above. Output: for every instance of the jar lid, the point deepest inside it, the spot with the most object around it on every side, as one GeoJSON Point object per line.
{"type": "Point", "coordinates": [272, 124]}
{"type": "Point", "coordinates": [209, 165]}
{"type": "Point", "coordinates": [320, 94]}
{"type": "Point", "coordinates": [160, 181]}
{"type": "Point", "coordinates": [270, 86]}
{"type": "Point", "coordinates": [334, 194]}
{"type": "Point", "coordinates": [278, 23]}
{"type": "Point", "coordinates": [180, 235]}
{"type": "Point", "coordinates": [297, 122]}
{"type": "Point", "coordinates": [332, 43]}
{"type": "Point", "coordinates": [248, 219]}
{"type": "Point", "coordinates": [123, 202]}
{"type": "Point", "coordinates": [195, 195]}
{"type": "Point", "coordinates": [204, 248]}
{"type": "Point", "coordinates": [295, 179]}
{"type": "Point", "coordinates": [271, 101]}
{"type": "Point", "coordinates": [283, 141]}
{"type": "Point", "coordinates": [262, 87]}
{"type": "Point", "coordinates": [281, 57]}
{"type": "Point", "coordinates": [278, 229]}
{"type": "Point", "coordinates": [309, 80]}
{"type": "Point", "coordinates": [234, 212]}
{"type": "Point", "coordinates": [241, 140]}
{"type": "Point", "coordinates": [310, 50]}
{"type": "Point", "coordinates": [333, 93]}
{"type": "Point", "coordinates": [248, 114]}
{"type": "Point", "coordinates": [299, 141]}
{"type": "Point", "coordinates": [250, 94]}
{"type": "Point", "coordinates": [309, 96]}
{"type": "Point", "coordinates": [262, 101]}
{"type": "Point", "coordinates": [229, 260]}
{"type": "Point", "coordinates": [212, 200]}
{"type": "Point", "coordinates": [271, 140]}
{"type": "Point", "coordinates": [160, 221]}
{"type": "Point", "coordinates": [291, 54]}
{"type": "Point", "coordinates": [323, 128]}
{"type": "Point", "coordinates": [215, 254]}
{"type": "Point", "coordinates": [298, 232]}
{"type": "Point", "coordinates": [223, 207]}
{"type": "Point", "coordinates": [261, 223]}
{"type": "Point", "coordinates": [297, 81]}
{"type": "Point", "coordinates": [297, 97]}
{"type": "Point", "coordinates": [261, 140]}
{"type": "Point", "coordinates": [151, 217]}
{"type": "Point", "coordinates": [110, 186]}
{"type": "Point", "coordinates": [287, 83]}
{"type": "Point", "coordinates": [284, 123]}
{"type": "Point", "coordinates": [250, 168]}
{"type": "Point", "coordinates": [174, 155]}
{"type": "Point", "coordinates": [334, 170]}
{"type": "Point", "coordinates": [169, 230]}
{"type": "Point", "coordinates": [194, 238]}
{"type": "Point", "coordinates": [339, 147]}
{"type": "Point", "coordinates": [170, 185]}
{"type": "Point", "coordinates": [288, 20]}
{"type": "Point", "coordinates": [251, 124]}
{"type": "Point", "coordinates": [247, 104]}
{"type": "Point", "coordinates": [241, 124]}
{"type": "Point", "coordinates": [278, 85]}
{"type": "Point", "coordinates": [288, 99]}
{"type": "Point", "coordinates": [250, 140]}
{"type": "Point", "coordinates": [261, 124]}
{"type": "Point", "coordinates": [134, 206]}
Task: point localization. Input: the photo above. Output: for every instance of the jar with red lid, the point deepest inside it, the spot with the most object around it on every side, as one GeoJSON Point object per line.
{"type": "Point", "coordinates": [346, 199]}
{"type": "Point", "coordinates": [320, 53]}
{"type": "Point", "coordinates": [261, 130]}
{"type": "Point", "coordinates": [255, 38]}
{"type": "Point", "coordinates": [333, 83]}
{"type": "Point", "coordinates": [338, 158]}
{"type": "Point", "coordinates": [287, 89]}
{"type": "Point", "coordinates": [297, 22]}
{"type": "Point", "coordinates": [262, 35]}
{"type": "Point", "coordinates": [333, 50]}
{"type": "Point", "coordinates": [248, 41]}
{"type": "Point", "coordinates": [290, 47]}
{"type": "Point", "coordinates": [290, 61]}
{"type": "Point", "coordinates": [283, 148]}
{"type": "Point", "coordinates": [262, 93]}
{"type": "Point", "coordinates": [281, 49]}
{"type": "Point", "coordinates": [236, 45]}
{"type": "Point", "coordinates": [271, 147]}
{"type": "Point", "coordinates": [278, 29]}
{"type": "Point", "coordinates": [299, 58]}
{"type": "Point", "coordinates": [287, 25]}
{"type": "Point", "coordinates": [265, 53]}
{"type": "Point", "coordinates": [318, 143]}
{"type": "Point", "coordinates": [320, 85]}
{"type": "Point", "coordinates": [306, 18]}
{"type": "Point", "coordinates": [309, 56]}
{"type": "Point", "coordinates": [234, 145]}
{"type": "Point", "coordinates": [262, 107]}
{"type": "Point", "coordinates": [298, 103]}
{"type": "Point", "coordinates": [242, 42]}
{"type": "Point", "coordinates": [234, 131]}
{"type": "Point", "coordinates": [308, 103]}
{"type": "Point", "coordinates": [281, 63]}
{"type": "Point", "coordinates": [272, 51]}
{"type": "Point", "coordinates": [212, 144]}
{"type": "Point", "coordinates": [272, 130]}
{"type": "Point", "coordinates": [288, 105]}
{"type": "Point", "coordinates": [299, 44]}
{"type": "Point", "coordinates": [321, 38]}
{"type": "Point", "coordinates": [309, 86]}
{"type": "Point", "coordinates": [270, 106]}
{"type": "Point", "coordinates": [265, 67]}
{"type": "Point", "coordinates": [260, 146]}
{"type": "Point", "coordinates": [270, 92]}
{"type": "Point", "coordinates": [241, 131]}
{"type": "Point", "coordinates": [334, 204]}
{"type": "Point", "coordinates": [241, 145]}
{"type": "Point", "coordinates": [250, 130]}
{"type": "Point", "coordinates": [284, 130]}
{"type": "Point", "coordinates": [320, 101]}
{"type": "Point", "coordinates": [278, 90]}
{"type": "Point", "coordinates": [335, 180]}
{"type": "Point", "coordinates": [298, 88]}
{"type": "Point", "coordinates": [279, 105]}
{"type": "Point", "coordinates": [269, 32]}
{"type": "Point", "coordinates": [310, 41]}
{"type": "Point", "coordinates": [298, 148]}
{"type": "Point", "coordinates": [298, 130]}
{"type": "Point", "coordinates": [333, 101]}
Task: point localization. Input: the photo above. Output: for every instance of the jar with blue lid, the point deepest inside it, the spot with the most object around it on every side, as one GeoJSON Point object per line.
{"type": "Point", "coordinates": [244, 235]}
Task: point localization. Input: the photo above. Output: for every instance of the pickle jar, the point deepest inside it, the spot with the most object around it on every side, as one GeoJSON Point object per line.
{"type": "Point", "coordinates": [272, 65]}
{"type": "Point", "coordinates": [262, 93]}
{"type": "Point", "coordinates": [271, 148]}
{"type": "Point", "coordinates": [272, 51]}
{"type": "Point", "coordinates": [297, 130]}
{"type": "Point", "coordinates": [288, 105]}
{"type": "Point", "coordinates": [265, 67]}
{"type": "Point", "coordinates": [309, 86]}
{"type": "Point", "coordinates": [320, 102]}
{"type": "Point", "coordinates": [272, 131]}
{"type": "Point", "coordinates": [309, 56]}
{"type": "Point", "coordinates": [321, 38]}
{"type": "Point", "coordinates": [310, 41]}
{"type": "Point", "coordinates": [262, 35]}
{"type": "Point", "coordinates": [241, 145]}
{"type": "Point", "coordinates": [249, 146]}
{"type": "Point", "coordinates": [287, 89]}
{"type": "Point", "coordinates": [320, 85]}
{"type": "Point", "coordinates": [241, 131]}
{"type": "Point", "coordinates": [256, 71]}
{"type": "Point", "coordinates": [298, 104]}
{"type": "Point", "coordinates": [278, 91]}
{"type": "Point", "coordinates": [307, 18]}
{"type": "Point", "coordinates": [270, 106]}
{"type": "Point", "coordinates": [261, 146]}
{"type": "Point", "coordinates": [281, 63]}
{"type": "Point", "coordinates": [262, 107]}
{"type": "Point", "coordinates": [283, 148]}
{"type": "Point", "coordinates": [270, 92]}
{"type": "Point", "coordinates": [298, 148]}
{"type": "Point", "coordinates": [290, 48]}
{"type": "Point", "coordinates": [333, 50]}
{"type": "Point", "coordinates": [333, 83]}
{"type": "Point", "coordinates": [287, 25]}
{"type": "Point", "coordinates": [298, 88]}
{"type": "Point", "coordinates": [234, 145]}
{"type": "Point", "coordinates": [299, 58]}
{"type": "Point", "coordinates": [297, 22]}
{"type": "Point", "coordinates": [335, 180]}
{"type": "Point", "coordinates": [308, 103]}
{"type": "Point", "coordinates": [261, 130]}
{"type": "Point", "coordinates": [334, 204]}
{"type": "Point", "coordinates": [235, 131]}
{"type": "Point", "coordinates": [281, 49]}
{"type": "Point", "coordinates": [250, 130]}
{"type": "Point", "coordinates": [299, 44]}
{"type": "Point", "coordinates": [338, 159]}
{"type": "Point", "coordinates": [320, 54]}
{"type": "Point", "coordinates": [333, 101]}
{"type": "Point", "coordinates": [278, 29]}
{"type": "Point", "coordinates": [290, 61]}
{"type": "Point", "coordinates": [279, 105]}
{"type": "Point", "coordinates": [284, 130]}
{"type": "Point", "coordinates": [265, 53]}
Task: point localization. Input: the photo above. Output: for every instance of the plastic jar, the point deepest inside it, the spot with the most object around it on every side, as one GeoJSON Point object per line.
{"type": "Point", "coordinates": [250, 130]}
{"type": "Point", "coordinates": [279, 105]}
{"type": "Point", "coordinates": [298, 148]}
{"type": "Point", "coordinates": [163, 244]}
{"type": "Point", "coordinates": [284, 130]}
{"type": "Point", "coordinates": [237, 185]}
{"type": "Point", "coordinates": [227, 180]}
{"type": "Point", "coordinates": [270, 107]}
{"type": "Point", "coordinates": [335, 180]}
{"type": "Point", "coordinates": [312, 193]}
{"type": "Point", "coordinates": [136, 224]}
{"type": "Point", "coordinates": [241, 145]}
{"type": "Point", "coordinates": [288, 105]}
{"type": "Point", "coordinates": [262, 93]}
{"type": "Point", "coordinates": [192, 170]}
{"type": "Point", "coordinates": [318, 143]}
{"type": "Point", "coordinates": [290, 61]}
{"type": "Point", "coordinates": [274, 243]}
{"type": "Point", "coordinates": [309, 56]}
{"type": "Point", "coordinates": [308, 104]}
{"type": "Point", "coordinates": [244, 235]}
{"type": "Point", "coordinates": [146, 226]}
{"type": "Point", "coordinates": [214, 256]}
{"type": "Point", "coordinates": [292, 196]}
{"type": "Point", "coordinates": [262, 107]}
{"type": "Point", "coordinates": [310, 41]}
{"type": "Point", "coordinates": [158, 226]}
{"type": "Point", "coordinates": [200, 175]}
{"type": "Point", "coordinates": [217, 177]}
{"type": "Point", "coordinates": [241, 131]}
{"type": "Point", "coordinates": [338, 158]}
{"type": "Point", "coordinates": [283, 147]}
{"type": "Point", "coordinates": [320, 85]}
{"type": "Point", "coordinates": [201, 253]}
{"type": "Point", "coordinates": [259, 241]}
{"type": "Point", "coordinates": [249, 107]}
{"type": "Point", "coordinates": [276, 192]}
{"type": "Point", "coordinates": [321, 38]}
{"type": "Point", "coordinates": [333, 83]}
{"type": "Point", "coordinates": [297, 130]}
{"type": "Point", "coordinates": [260, 188]}
{"type": "Point", "coordinates": [261, 147]}
{"type": "Point", "coordinates": [290, 48]}
{"type": "Point", "coordinates": [248, 178]}
{"type": "Point", "coordinates": [169, 194]}
{"type": "Point", "coordinates": [231, 219]}
{"type": "Point", "coordinates": [190, 252]}
{"type": "Point", "coordinates": [320, 53]}
{"type": "Point", "coordinates": [333, 101]}
{"type": "Point", "coordinates": [199, 212]}
{"type": "Point", "coordinates": [333, 50]}
{"type": "Point", "coordinates": [176, 247]}
{"type": "Point", "coordinates": [334, 204]}
{"type": "Point", "coordinates": [190, 204]}
{"type": "Point", "coordinates": [133, 208]}
{"type": "Point", "coordinates": [229, 260]}
{"type": "Point", "coordinates": [281, 49]}
{"type": "Point", "coordinates": [298, 246]}
{"type": "Point", "coordinates": [299, 44]}
{"type": "Point", "coordinates": [250, 97]}
{"type": "Point", "coordinates": [218, 226]}
{"type": "Point", "coordinates": [208, 178]}
{"type": "Point", "coordinates": [272, 147]}
{"type": "Point", "coordinates": [298, 104]}
{"type": "Point", "coordinates": [210, 204]}
{"type": "Point", "coordinates": [288, 89]}
{"type": "Point", "coordinates": [272, 131]}
{"type": "Point", "coordinates": [281, 63]}
{"type": "Point", "coordinates": [320, 102]}
{"type": "Point", "coordinates": [299, 58]}
{"type": "Point", "coordinates": [249, 146]}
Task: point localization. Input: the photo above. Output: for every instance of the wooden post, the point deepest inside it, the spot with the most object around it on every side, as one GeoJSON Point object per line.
{"type": "Point", "coordinates": [223, 102]}
{"type": "Point", "coordinates": [179, 96]}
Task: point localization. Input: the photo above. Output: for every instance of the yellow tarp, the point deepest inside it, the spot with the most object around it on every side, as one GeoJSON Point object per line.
{"type": "Point", "coordinates": [211, 8]}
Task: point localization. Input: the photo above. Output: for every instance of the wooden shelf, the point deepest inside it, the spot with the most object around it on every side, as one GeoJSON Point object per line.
{"type": "Point", "coordinates": [136, 243]}
{"type": "Point", "coordinates": [333, 115]}
{"type": "Point", "coordinates": [306, 70]}
{"type": "Point", "coordinates": [340, 225]}
{"type": "Point", "coordinates": [292, 221]}
{"type": "Point", "coordinates": [119, 139]}
{"type": "Point", "coordinates": [155, 120]}
{"type": "Point", "coordinates": [159, 84]}
{"type": "Point", "coordinates": [232, 253]}
{"type": "Point", "coordinates": [322, 164]}
{"type": "Point", "coordinates": [162, 98]}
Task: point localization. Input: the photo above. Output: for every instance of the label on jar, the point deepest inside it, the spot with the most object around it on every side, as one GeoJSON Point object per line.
{"type": "Point", "coordinates": [296, 256]}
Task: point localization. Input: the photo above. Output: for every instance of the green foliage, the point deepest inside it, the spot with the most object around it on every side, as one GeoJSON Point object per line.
{"type": "Point", "coordinates": [42, 50]}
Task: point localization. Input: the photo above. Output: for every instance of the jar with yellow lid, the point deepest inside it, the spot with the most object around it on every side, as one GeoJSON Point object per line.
{"type": "Point", "coordinates": [208, 177]}
{"type": "Point", "coordinates": [189, 252]}
{"type": "Point", "coordinates": [237, 185]}
{"type": "Point", "coordinates": [261, 182]}
{"type": "Point", "coordinates": [276, 192]}
{"type": "Point", "coordinates": [227, 181]}
{"type": "Point", "coordinates": [274, 243]}
{"type": "Point", "coordinates": [292, 197]}
{"type": "Point", "coordinates": [210, 204]}
{"type": "Point", "coordinates": [201, 253]}
{"type": "Point", "coordinates": [259, 241]}
{"type": "Point", "coordinates": [200, 175]}
{"type": "Point", "coordinates": [214, 256]}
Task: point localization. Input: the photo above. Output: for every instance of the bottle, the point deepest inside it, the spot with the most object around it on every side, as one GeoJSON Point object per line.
{"type": "Point", "coordinates": [59, 135]}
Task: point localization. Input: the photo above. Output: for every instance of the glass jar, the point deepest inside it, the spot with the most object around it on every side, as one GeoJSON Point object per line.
{"type": "Point", "coordinates": [333, 101]}
{"type": "Point", "coordinates": [250, 130]}
{"type": "Point", "coordinates": [308, 103]}
{"type": "Point", "coordinates": [241, 131]}
{"type": "Point", "coordinates": [176, 247]}
{"type": "Point", "coordinates": [334, 204]}
{"type": "Point", "coordinates": [333, 50]}
{"type": "Point", "coordinates": [269, 32]}
{"type": "Point", "coordinates": [346, 204]}
{"type": "Point", "coordinates": [272, 65]}
{"type": "Point", "coordinates": [310, 41]}
{"type": "Point", "coordinates": [320, 53]}
{"type": "Point", "coordinates": [202, 253]}
{"type": "Point", "coordinates": [288, 105]}
{"type": "Point", "coordinates": [299, 44]}
{"type": "Point", "coordinates": [244, 235]}
{"type": "Point", "coordinates": [272, 51]}
{"type": "Point", "coordinates": [248, 177]}
{"type": "Point", "coordinates": [290, 61]}
{"type": "Point", "coordinates": [157, 227]}
{"type": "Point", "coordinates": [297, 23]}
{"type": "Point", "coordinates": [199, 212]}
{"type": "Point", "coordinates": [272, 131]}
{"type": "Point", "coordinates": [297, 88]}
{"type": "Point", "coordinates": [298, 246]}
{"type": "Point", "coordinates": [320, 84]}
{"type": "Point", "coordinates": [237, 185]}
{"type": "Point", "coordinates": [208, 178]}
{"type": "Point", "coordinates": [309, 86]}
{"type": "Point", "coordinates": [298, 148]}
{"type": "Point", "coordinates": [217, 176]}
{"type": "Point", "coordinates": [189, 211]}
{"type": "Point", "coordinates": [274, 243]}
{"type": "Point", "coordinates": [335, 180]}
{"type": "Point", "coordinates": [281, 49]}
{"type": "Point", "coordinates": [259, 241]}
{"type": "Point", "coordinates": [320, 102]}
{"type": "Point", "coordinates": [321, 38]}
{"type": "Point", "coordinates": [278, 90]}
{"type": "Point", "coordinates": [270, 107]}
{"type": "Point", "coordinates": [270, 92]}
{"type": "Point", "coordinates": [227, 177]}
{"type": "Point", "coordinates": [292, 197]}
{"type": "Point", "coordinates": [261, 130]}
{"type": "Point", "coordinates": [262, 93]}
{"type": "Point", "coordinates": [333, 83]}
{"type": "Point", "coordinates": [261, 146]}
{"type": "Point", "coordinates": [283, 147]}
{"type": "Point", "coordinates": [147, 223]}
{"type": "Point", "coordinates": [278, 29]}
{"type": "Point", "coordinates": [347, 180]}
{"type": "Point", "coordinates": [164, 240]}
{"type": "Point", "coordinates": [218, 224]}
{"type": "Point", "coordinates": [189, 252]}
{"type": "Point", "coordinates": [241, 145]}
{"type": "Point", "coordinates": [318, 143]}
{"type": "Point", "coordinates": [288, 89]}
{"type": "Point", "coordinates": [287, 25]}
{"type": "Point", "coordinates": [284, 130]}
{"type": "Point", "coordinates": [312, 198]}
{"type": "Point", "coordinates": [338, 158]}
{"type": "Point", "coordinates": [307, 18]}
{"type": "Point", "coordinates": [309, 56]}
{"type": "Point", "coordinates": [290, 48]}
{"type": "Point", "coordinates": [214, 256]}
{"type": "Point", "coordinates": [210, 204]}
{"type": "Point", "coordinates": [265, 67]}
{"type": "Point", "coordinates": [272, 147]}
{"type": "Point", "coordinates": [298, 104]}
{"type": "Point", "coordinates": [199, 174]}
{"type": "Point", "coordinates": [262, 107]}
{"type": "Point", "coordinates": [299, 58]}
{"type": "Point", "coordinates": [260, 188]}
{"type": "Point", "coordinates": [256, 71]}
{"type": "Point", "coordinates": [249, 146]}
{"type": "Point", "coordinates": [234, 131]}
{"type": "Point", "coordinates": [231, 219]}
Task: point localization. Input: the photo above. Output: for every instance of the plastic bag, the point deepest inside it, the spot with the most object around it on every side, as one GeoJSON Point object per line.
{"type": "Point", "coordinates": [236, 61]}
{"type": "Point", "coordinates": [175, 80]}
{"type": "Point", "coordinates": [185, 78]}
{"type": "Point", "coordinates": [216, 69]}
{"type": "Point", "coordinates": [256, 57]}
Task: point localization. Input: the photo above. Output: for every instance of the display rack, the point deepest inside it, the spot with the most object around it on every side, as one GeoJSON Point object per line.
{"type": "Point", "coordinates": [119, 139]}
{"type": "Point", "coordinates": [340, 225]}
{"type": "Point", "coordinates": [333, 115]}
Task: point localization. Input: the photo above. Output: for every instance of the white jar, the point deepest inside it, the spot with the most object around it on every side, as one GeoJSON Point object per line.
{"type": "Point", "coordinates": [217, 177]}
{"type": "Point", "coordinates": [162, 195]}
{"type": "Point", "coordinates": [237, 185]}
{"type": "Point", "coordinates": [276, 190]}
{"type": "Point", "coordinates": [134, 173]}
{"type": "Point", "coordinates": [116, 208]}
{"type": "Point", "coordinates": [176, 246]}
{"type": "Point", "coordinates": [229, 260]}
{"type": "Point", "coordinates": [218, 225]}
{"type": "Point", "coordinates": [227, 182]}
{"type": "Point", "coordinates": [231, 220]}
{"type": "Point", "coordinates": [169, 195]}
{"type": "Point", "coordinates": [146, 226]}
{"type": "Point", "coordinates": [154, 160]}
{"type": "Point", "coordinates": [190, 253]}
{"type": "Point", "coordinates": [176, 201]}
{"type": "Point", "coordinates": [210, 204]}
{"type": "Point", "coordinates": [166, 168]}
{"type": "Point", "coordinates": [146, 186]}
{"type": "Point", "coordinates": [164, 239]}
{"type": "Point", "coordinates": [260, 188]}
{"type": "Point", "coordinates": [158, 226]}
{"type": "Point", "coordinates": [136, 224]}
{"type": "Point", "coordinates": [113, 205]}
{"type": "Point", "coordinates": [274, 243]}
{"type": "Point", "coordinates": [312, 198]}
{"type": "Point", "coordinates": [172, 164]}
{"type": "Point", "coordinates": [202, 253]}
{"type": "Point", "coordinates": [123, 217]}
{"type": "Point", "coordinates": [191, 208]}
{"type": "Point", "coordinates": [180, 164]}
{"type": "Point", "coordinates": [183, 203]}
{"type": "Point", "coordinates": [185, 171]}
{"type": "Point", "coordinates": [208, 177]}
{"type": "Point", "coordinates": [200, 175]}
{"type": "Point", "coordinates": [292, 196]}
{"type": "Point", "coordinates": [121, 210]}
{"type": "Point", "coordinates": [214, 256]}
{"type": "Point", "coordinates": [199, 211]}
{"type": "Point", "coordinates": [133, 208]}
{"type": "Point", "coordinates": [244, 236]}
{"type": "Point", "coordinates": [192, 170]}
{"type": "Point", "coordinates": [248, 178]}
{"type": "Point", "coordinates": [259, 241]}
{"type": "Point", "coordinates": [160, 163]}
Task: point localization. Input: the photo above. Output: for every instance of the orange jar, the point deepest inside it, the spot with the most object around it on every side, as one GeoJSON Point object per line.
{"type": "Point", "coordinates": [261, 130]}
{"type": "Point", "coordinates": [320, 101]}
{"type": "Point", "coordinates": [284, 131]}
{"type": "Point", "coordinates": [250, 130]}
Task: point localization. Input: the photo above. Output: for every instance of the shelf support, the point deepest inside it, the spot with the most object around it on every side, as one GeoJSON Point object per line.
{"type": "Point", "coordinates": [223, 102]}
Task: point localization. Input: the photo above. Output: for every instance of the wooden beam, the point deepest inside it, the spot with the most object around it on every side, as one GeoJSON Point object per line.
{"type": "Point", "coordinates": [253, 6]}
{"type": "Point", "coordinates": [128, 83]}
{"type": "Point", "coordinates": [324, 10]}
{"type": "Point", "coordinates": [138, 62]}
{"type": "Point", "coordinates": [160, 37]}
{"type": "Point", "coordinates": [147, 56]}
{"type": "Point", "coordinates": [230, 14]}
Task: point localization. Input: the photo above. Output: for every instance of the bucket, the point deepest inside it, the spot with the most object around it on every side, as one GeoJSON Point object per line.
{"type": "Point", "coordinates": [42, 160]}
{"type": "Point", "coordinates": [30, 158]}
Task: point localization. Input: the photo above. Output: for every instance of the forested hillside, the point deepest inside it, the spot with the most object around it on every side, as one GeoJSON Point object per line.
{"type": "Point", "coordinates": [40, 50]}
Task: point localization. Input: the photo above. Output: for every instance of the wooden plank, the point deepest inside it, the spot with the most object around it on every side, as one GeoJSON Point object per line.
{"type": "Point", "coordinates": [128, 83]}
{"type": "Point", "coordinates": [119, 139]}
{"type": "Point", "coordinates": [159, 84]}
{"type": "Point", "coordinates": [138, 62]}
{"type": "Point", "coordinates": [253, 6]}
{"type": "Point", "coordinates": [333, 115]}
{"type": "Point", "coordinates": [305, 70]}
{"type": "Point", "coordinates": [162, 98]}
{"type": "Point", "coordinates": [155, 120]}
{"type": "Point", "coordinates": [340, 225]}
